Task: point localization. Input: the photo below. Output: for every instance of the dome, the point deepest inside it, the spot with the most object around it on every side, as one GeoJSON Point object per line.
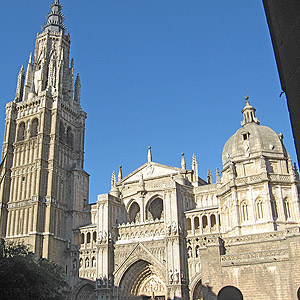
{"type": "Point", "coordinates": [252, 140]}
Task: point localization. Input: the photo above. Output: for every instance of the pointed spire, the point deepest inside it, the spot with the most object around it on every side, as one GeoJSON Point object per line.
{"type": "Point", "coordinates": [55, 19]}
{"type": "Point", "coordinates": [249, 113]}
{"type": "Point", "coordinates": [120, 176]}
{"type": "Point", "coordinates": [77, 94]}
{"type": "Point", "coordinates": [183, 163]}
{"type": "Point", "coordinates": [209, 177]}
{"type": "Point", "coordinates": [195, 167]}
{"type": "Point", "coordinates": [149, 154]}
{"type": "Point", "coordinates": [218, 177]}
{"type": "Point", "coordinates": [20, 85]}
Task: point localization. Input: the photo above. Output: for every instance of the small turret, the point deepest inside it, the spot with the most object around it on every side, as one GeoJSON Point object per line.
{"type": "Point", "coordinates": [249, 114]}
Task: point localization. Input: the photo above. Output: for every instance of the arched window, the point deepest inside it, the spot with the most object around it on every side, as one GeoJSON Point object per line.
{"type": "Point", "coordinates": [244, 209]}
{"type": "Point", "coordinates": [134, 212]}
{"type": "Point", "coordinates": [156, 209]}
{"type": "Point", "coordinates": [274, 209]}
{"type": "Point", "coordinates": [188, 224]}
{"type": "Point", "coordinates": [259, 209]}
{"type": "Point", "coordinates": [88, 237]}
{"type": "Point", "coordinates": [82, 238]}
{"type": "Point", "coordinates": [287, 210]}
{"type": "Point", "coordinates": [34, 127]}
{"type": "Point", "coordinates": [21, 132]}
{"type": "Point", "coordinates": [204, 222]}
{"type": "Point", "coordinates": [213, 221]}
{"type": "Point", "coordinates": [94, 236]}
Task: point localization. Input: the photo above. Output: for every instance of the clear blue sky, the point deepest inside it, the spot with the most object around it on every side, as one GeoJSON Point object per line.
{"type": "Point", "coordinates": [165, 73]}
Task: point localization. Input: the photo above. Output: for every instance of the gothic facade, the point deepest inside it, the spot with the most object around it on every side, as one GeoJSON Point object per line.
{"type": "Point", "coordinates": [161, 232]}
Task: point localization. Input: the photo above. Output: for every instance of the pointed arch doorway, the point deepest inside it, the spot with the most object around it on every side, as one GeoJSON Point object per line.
{"type": "Point", "coordinates": [142, 281]}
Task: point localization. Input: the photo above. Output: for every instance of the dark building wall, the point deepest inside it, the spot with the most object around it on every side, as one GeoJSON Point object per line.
{"type": "Point", "coordinates": [283, 17]}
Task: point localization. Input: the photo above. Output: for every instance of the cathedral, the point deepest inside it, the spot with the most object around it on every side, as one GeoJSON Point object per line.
{"type": "Point", "coordinates": [161, 232]}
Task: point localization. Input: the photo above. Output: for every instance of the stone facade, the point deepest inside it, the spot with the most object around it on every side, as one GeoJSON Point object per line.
{"type": "Point", "coordinates": [161, 232]}
{"type": "Point", "coordinates": [164, 233]}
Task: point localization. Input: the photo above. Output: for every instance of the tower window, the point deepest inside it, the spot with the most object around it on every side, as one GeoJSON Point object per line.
{"type": "Point", "coordinates": [244, 207]}
{"type": "Point", "coordinates": [34, 127]}
{"type": "Point", "coordinates": [259, 209]}
{"type": "Point", "coordinates": [21, 132]}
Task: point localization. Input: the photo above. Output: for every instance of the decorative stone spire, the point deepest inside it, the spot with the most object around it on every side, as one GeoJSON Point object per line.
{"type": "Point", "coordinates": [209, 177]}
{"type": "Point", "coordinates": [249, 113]}
{"type": "Point", "coordinates": [113, 180]}
{"type": "Point", "coordinates": [20, 85]}
{"type": "Point", "coordinates": [77, 94]}
{"type": "Point", "coordinates": [195, 168]}
{"type": "Point", "coordinates": [149, 154]}
{"type": "Point", "coordinates": [218, 178]}
{"type": "Point", "coordinates": [183, 164]}
{"type": "Point", "coordinates": [120, 176]}
{"type": "Point", "coordinates": [55, 19]}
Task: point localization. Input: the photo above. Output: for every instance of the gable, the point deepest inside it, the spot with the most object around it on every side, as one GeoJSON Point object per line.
{"type": "Point", "coordinates": [148, 171]}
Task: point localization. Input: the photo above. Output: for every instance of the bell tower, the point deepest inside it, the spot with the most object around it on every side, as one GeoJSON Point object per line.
{"type": "Point", "coordinates": [44, 188]}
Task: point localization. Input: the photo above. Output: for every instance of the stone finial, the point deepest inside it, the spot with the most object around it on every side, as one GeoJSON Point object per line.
{"type": "Point", "coordinates": [20, 85]}
{"type": "Point", "coordinates": [183, 163]}
{"type": "Point", "coordinates": [218, 177]}
{"type": "Point", "coordinates": [249, 113]}
{"type": "Point", "coordinates": [149, 154]}
{"type": "Point", "coordinates": [120, 176]}
{"type": "Point", "coordinates": [195, 168]}
{"type": "Point", "coordinates": [209, 177]}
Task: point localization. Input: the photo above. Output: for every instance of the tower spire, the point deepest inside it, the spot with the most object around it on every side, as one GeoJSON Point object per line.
{"type": "Point", "coordinates": [55, 18]}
